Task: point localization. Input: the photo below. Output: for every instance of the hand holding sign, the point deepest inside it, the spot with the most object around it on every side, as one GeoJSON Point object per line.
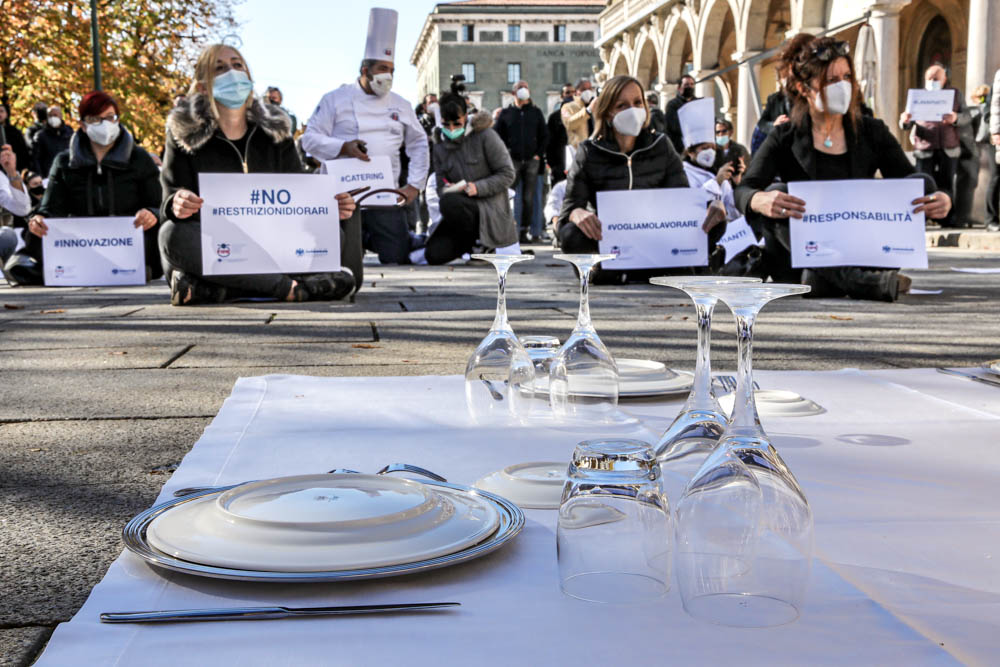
{"type": "Point", "coordinates": [930, 105]}
{"type": "Point", "coordinates": [186, 204]}
{"type": "Point", "coordinates": [345, 205]}
{"type": "Point", "coordinates": [588, 223]}
{"type": "Point", "coordinates": [145, 219]}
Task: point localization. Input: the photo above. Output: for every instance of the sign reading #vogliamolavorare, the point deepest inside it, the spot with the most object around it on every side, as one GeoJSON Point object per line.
{"type": "Point", "coordinates": [651, 229]}
{"type": "Point", "coordinates": [90, 252]}
{"type": "Point", "coordinates": [859, 223]}
{"type": "Point", "coordinates": [268, 223]}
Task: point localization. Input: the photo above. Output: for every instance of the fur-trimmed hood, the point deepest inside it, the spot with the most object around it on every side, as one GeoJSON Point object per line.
{"type": "Point", "coordinates": [480, 121]}
{"type": "Point", "coordinates": [192, 124]}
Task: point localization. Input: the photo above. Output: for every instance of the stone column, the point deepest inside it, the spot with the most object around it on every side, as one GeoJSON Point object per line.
{"type": "Point", "coordinates": [885, 24]}
{"type": "Point", "coordinates": [747, 111]}
{"type": "Point", "coordinates": [983, 53]}
{"type": "Point", "coordinates": [705, 88]}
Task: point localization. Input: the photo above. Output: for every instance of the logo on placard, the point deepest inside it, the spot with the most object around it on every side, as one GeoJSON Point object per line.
{"type": "Point", "coordinates": [886, 249]}
{"type": "Point", "coordinates": [59, 271]}
{"type": "Point", "coordinates": [299, 252]}
{"type": "Point", "coordinates": [683, 251]}
{"type": "Point", "coordinates": [124, 272]}
{"type": "Point", "coordinates": [223, 250]}
{"type": "Point", "coordinates": [811, 246]}
{"type": "Point", "coordinates": [616, 251]}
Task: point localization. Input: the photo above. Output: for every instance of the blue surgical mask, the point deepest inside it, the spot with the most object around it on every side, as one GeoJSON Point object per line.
{"type": "Point", "coordinates": [722, 140]}
{"type": "Point", "coordinates": [231, 89]}
{"type": "Point", "coordinates": [453, 134]}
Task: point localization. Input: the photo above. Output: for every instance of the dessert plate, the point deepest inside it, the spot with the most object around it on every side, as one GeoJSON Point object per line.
{"type": "Point", "coordinates": [510, 523]}
{"type": "Point", "coordinates": [641, 377]}
{"type": "Point", "coordinates": [536, 485]}
{"type": "Point", "coordinates": [777, 403]}
{"type": "Point", "coordinates": [311, 523]}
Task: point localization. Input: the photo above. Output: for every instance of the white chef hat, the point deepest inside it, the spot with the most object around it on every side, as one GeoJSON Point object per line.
{"type": "Point", "coordinates": [381, 44]}
{"type": "Point", "coordinates": [697, 119]}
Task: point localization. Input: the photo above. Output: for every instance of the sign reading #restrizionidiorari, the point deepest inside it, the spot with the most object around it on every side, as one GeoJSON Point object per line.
{"type": "Point", "coordinates": [859, 223]}
{"type": "Point", "coordinates": [91, 252]}
{"type": "Point", "coordinates": [268, 223]}
{"type": "Point", "coordinates": [651, 229]}
{"type": "Point", "coordinates": [930, 105]}
{"type": "Point", "coordinates": [351, 173]}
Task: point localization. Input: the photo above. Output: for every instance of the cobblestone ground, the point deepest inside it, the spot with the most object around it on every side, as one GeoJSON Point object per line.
{"type": "Point", "coordinates": [102, 391]}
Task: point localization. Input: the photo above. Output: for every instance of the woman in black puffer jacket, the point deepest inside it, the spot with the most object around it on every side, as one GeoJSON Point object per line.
{"type": "Point", "coordinates": [622, 154]}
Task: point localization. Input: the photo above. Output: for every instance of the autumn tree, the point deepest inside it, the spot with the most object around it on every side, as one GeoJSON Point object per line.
{"type": "Point", "coordinates": [148, 48]}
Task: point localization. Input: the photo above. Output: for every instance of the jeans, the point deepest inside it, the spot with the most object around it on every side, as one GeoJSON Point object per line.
{"type": "Point", "coordinates": [457, 231]}
{"type": "Point", "coordinates": [386, 232]}
{"type": "Point", "coordinates": [526, 175]}
{"type": "Point", "coordinates": [8, 243]}
{"type": "Point", "coordinates": [942, 169]}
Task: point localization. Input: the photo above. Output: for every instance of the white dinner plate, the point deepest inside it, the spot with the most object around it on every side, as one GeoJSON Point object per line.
{"type": "Point", "coordinates": [536, 485]}
{"type": "Point", "coordinates": [993, 366]}
{"type": "Point", "coordinates": [641, 377]}
{"type": "Point", "coordinates": [777, 403]}
{"type": "Point", "coordinates": [312, 523]}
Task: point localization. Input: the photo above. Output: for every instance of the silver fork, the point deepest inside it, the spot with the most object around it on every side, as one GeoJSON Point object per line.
{"type": "Point", "coordinates": [392, 467]}
{"type": "Point", "coordinates": [728, 382]}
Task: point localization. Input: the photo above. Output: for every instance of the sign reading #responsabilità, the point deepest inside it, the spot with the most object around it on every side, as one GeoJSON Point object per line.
{"type": "Point", "coordinates": [91, 252]}
{"type": "Point", "coordinates": [859, 223]}
{"type": "Point", "coordinates": [651, 229]}
{"type": "Point", "coordinates": [268, 223]}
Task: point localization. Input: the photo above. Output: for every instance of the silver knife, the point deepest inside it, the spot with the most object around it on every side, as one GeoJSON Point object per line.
{"type": "Point", "coordinates": [971, 376]}
{"type": "Point", "coordinates": [262, 613]}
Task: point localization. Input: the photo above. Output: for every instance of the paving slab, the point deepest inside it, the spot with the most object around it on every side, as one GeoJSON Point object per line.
{"type": "Point", "coordinates": [20, 646]}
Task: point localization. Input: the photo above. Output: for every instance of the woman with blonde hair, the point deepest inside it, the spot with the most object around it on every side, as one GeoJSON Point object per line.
{"type": "Point", "coordinates": [623, 153]}
{"type": "Point", "coordinates": [221, 127]}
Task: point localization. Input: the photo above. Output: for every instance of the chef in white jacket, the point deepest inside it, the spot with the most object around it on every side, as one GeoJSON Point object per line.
{"type": "Point", "coordinates": [365, 118]}
{"type": "Point", "coordinates": [697, 119]}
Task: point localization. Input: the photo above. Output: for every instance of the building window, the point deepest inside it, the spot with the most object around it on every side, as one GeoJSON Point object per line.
{"type": "Point", "coordinates": [559, 73]}
{"type": "Point", "coordinates": [513, 72]}
{"type": "Point", "coordinates": [536, 36]}
{"type": "Point", "coordinates": [490, 35]}
{"type": "Point", "coordinates": [449, 36]}
{"type": "Point", "coordinates": [468, 33]}
{"type": "Point", "coordinates": [559, 33]}
{"type": "Point", "coordinates": [469, 72]}
{"type": "Point", "coordinates": [513, 33]}
{"type": "Point", "coordinates": [583, 36]}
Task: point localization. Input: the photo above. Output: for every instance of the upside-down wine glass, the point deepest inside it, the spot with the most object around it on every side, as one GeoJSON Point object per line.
{"type": "Point", "coordinates": [744, 527]}
{"type": "Point", "coordinates": [499, 376]}
{"type": "Point", "coordinates": [583, 377]}
{"type": "Point", "coordinates": [695, 431]}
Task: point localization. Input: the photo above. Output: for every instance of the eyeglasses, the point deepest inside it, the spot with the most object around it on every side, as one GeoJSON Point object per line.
{"type": "Point", "coordinates": [94, 120]}
{"type": "Point", "coordinates": [830, 51]}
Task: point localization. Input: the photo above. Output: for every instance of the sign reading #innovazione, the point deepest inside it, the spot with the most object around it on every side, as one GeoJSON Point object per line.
{"type": "Point", "coordinates": [268, 223]}
{"type": "Point", "coordinates": [859, 223]}
{"type": "Point", "coordinates": [91, 252]}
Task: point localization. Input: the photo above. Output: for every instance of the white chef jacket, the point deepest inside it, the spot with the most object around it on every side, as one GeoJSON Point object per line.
{"type": "Point", "coordinates": [383, 123]}
{"type": "Point", "coordinates": [16, 201]}
{"type": "Point", "coordinates": [703, 178]}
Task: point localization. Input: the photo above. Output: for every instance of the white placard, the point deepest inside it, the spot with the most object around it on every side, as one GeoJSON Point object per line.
{"type": "Point", "coordinates": [930, 105]}
{"type": "Point", "coordinates": [652, 229]}
{"type": "Point", "coordinates": [859, 223]}
{"type": "Point", "coordinates": [352, 173]}
{"type": "Point", "coordinates": [738, 237]}
{"type": "Point", "coordinates": [268, 223]}
{"type": "Point", "coordinates": [91, 252]}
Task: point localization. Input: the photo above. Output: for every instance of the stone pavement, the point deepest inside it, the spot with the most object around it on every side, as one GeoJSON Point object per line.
{"type": "Point", "coordinates": [103, 391]}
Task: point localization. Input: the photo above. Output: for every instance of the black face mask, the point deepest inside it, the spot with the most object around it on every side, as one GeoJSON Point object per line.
{"type": "Point", "coordinates": [687, 93]}
{"type": "Point", "coordinates": [37, 192]}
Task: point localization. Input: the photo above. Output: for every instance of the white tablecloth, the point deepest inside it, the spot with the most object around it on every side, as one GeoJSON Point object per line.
{"type": "Point", "coordinates": [901, 474]}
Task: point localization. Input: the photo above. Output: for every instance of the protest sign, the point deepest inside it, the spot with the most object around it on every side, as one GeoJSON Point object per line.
{"type": "Point", "coordinates": [91, 252]}
{"type": "Point", "coordinates": [929, 105]}
{"type": "Point", "coordinates": [352, 173]}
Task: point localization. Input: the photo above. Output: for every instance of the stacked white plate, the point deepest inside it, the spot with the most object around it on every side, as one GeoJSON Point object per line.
{"type": "Point", "coordinates": [777, 403]}
{"type": "Point", "coordinates": [642, 377]}
{"type": "Point", "coordinates": [536, 485]}
{"type": "Point", "coordinates": [318, 523]}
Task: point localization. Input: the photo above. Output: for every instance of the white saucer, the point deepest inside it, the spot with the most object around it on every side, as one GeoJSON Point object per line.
{"type": "Point", "coordinates": [312, 523]}
{"type": "Point", "coordinates": [641, 377]}
{"type": "Point", "coordinates": [536, 485]}
{"type": "Point", "coordinates": [777, 403]}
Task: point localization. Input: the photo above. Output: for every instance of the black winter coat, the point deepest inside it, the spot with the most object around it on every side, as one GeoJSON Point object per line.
{"type": "Point", "coordinates": [673, 122]}
{"type": "Point", "coordinates": [555, 149]}
{"type": "Point", "coordinates": [49, 143]}
{"type": "Point", "coordinates": [600, 165]}
{"type": "Point", "coordinates": [195, 145]}
{"type": "Point", "coordinates": [523, 131]}
{"type": "Point", "coordinates": [788, 154]}
{"type": "Point", "coordinates": [12, 136]}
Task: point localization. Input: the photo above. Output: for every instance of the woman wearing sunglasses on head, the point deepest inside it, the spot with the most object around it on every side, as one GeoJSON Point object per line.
{"type": "Point", "coordinates": [827, 139]}
{"type": "Point", "coordinates": [220, 127]}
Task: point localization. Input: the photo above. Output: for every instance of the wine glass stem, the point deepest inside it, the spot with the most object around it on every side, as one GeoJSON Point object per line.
{"type": "Point", "coordinates": [500, 322]}
{"type": "Point", "coordinates": [745, 407]}
{"type": "Point", "coordinates": [703, 308]}
{"type": "Point", "coordinates": [583, 322]}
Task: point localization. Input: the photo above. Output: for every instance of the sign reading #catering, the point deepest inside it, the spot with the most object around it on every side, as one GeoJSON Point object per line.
{"type": "Point", "coordinates": [91, 252]}
{"type": "Point", "coordinates": [859, 223]}
{"type": "Point", "coordinates": [269, 223]}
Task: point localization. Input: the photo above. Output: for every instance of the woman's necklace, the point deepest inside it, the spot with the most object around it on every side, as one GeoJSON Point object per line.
{"type": "Point", "coordinates": [828, 142]}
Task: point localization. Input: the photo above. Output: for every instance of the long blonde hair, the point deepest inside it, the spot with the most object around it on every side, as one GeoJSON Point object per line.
{"type": "Point", "coordinates": [204, 73]}
{"type": "Point", "coordinates": [606, 102]}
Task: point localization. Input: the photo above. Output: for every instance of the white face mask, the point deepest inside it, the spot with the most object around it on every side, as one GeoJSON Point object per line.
{"type": "Point", "coordinates": [432, 108]}
{"type": "Point", "coordinates": [587, 96]}
{"type": "Point", "coordinates": [838, 98]}
{"type": "Point", "coordinates": [933, 84]}
{"type": "Point", "coordinates": [523, 94]}
{"type": "Point", "coordinates": [381, 84]}
{"type": "Point", "coordinates": [103, 133]}
{"type": "Point", "coordinates": [630, 121]}
{"type": "Point", "coordinates": [705, 158]}
{"type": "Point", "coordinates": [55, 121]}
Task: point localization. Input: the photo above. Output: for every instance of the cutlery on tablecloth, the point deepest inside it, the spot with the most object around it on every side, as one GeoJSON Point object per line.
{"type": "Point", "coordinates": [970, 376]}
{"type": "Point", "coordinates": [263, 613]}
{"type": "Point", "coordinates": [392, 467]}
{"type": "Point", "coordinates": [728, 382]}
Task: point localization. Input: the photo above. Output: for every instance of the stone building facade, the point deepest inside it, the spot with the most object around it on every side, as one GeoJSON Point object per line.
{"type": "Point", "coordinates": [497, 42]}
{"type": "Point", "coordinates": [658, 40]}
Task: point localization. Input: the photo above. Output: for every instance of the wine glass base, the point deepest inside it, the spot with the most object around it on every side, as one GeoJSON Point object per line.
{"type": "Point", "coordinates": [614, 587]}
{"type": "Point", "coordinates": [741, 610]}
{"type": "Point", "coordinates": [691, 431]}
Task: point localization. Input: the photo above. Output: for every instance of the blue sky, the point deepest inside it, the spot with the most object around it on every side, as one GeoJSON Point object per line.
{"type": "Point", "coordinates": [310, 48]}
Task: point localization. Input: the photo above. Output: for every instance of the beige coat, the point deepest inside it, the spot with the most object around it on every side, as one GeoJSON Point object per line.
{"type": "Point", "coordinates": [574, 117]}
